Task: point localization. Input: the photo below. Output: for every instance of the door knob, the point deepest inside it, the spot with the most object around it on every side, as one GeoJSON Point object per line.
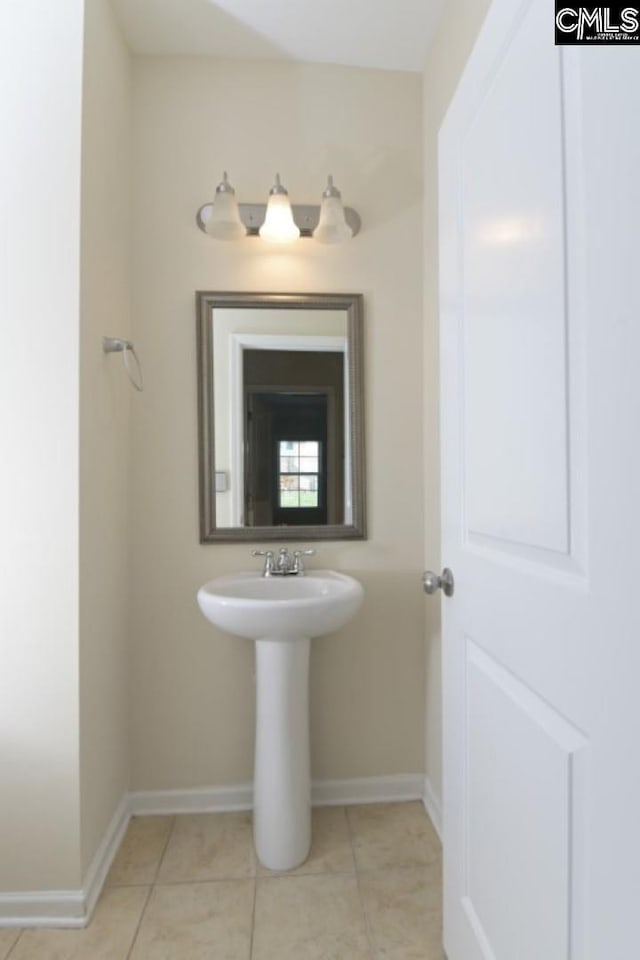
{"type": "Point", "coordinates": [432, 582]}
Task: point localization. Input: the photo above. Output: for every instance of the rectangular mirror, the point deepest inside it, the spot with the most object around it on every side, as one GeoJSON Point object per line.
{"type": "Point", "coordinates": [280, 407]}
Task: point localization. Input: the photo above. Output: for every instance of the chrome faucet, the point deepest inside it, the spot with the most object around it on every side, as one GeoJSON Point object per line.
{"type": "Point", "coordinates": [286, 565]}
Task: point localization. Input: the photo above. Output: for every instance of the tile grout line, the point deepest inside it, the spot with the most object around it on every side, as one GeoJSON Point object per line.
{"type": "Point", "coordinates": [164, 850]}
{"type": "Point", "coordinates": [256, 864]}
{"type": "Point", "coordinates": [206, 882]}
{"type": "Point", "coordinates": [14, 944]}
{"type": "Point", "coordinates": [253, 913]}
{"type": "Point", "coordinates": [150, 890]}
{"type": "Point", "coordinates": [139, 924]}
{"type": "Point", "coordinates": [298, 872]}
{"type": "Point", "coordinates": [373, 952]}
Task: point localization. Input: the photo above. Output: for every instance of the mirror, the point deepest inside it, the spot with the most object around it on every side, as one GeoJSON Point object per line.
{"type": "Point", "coordinates": [280, 404]}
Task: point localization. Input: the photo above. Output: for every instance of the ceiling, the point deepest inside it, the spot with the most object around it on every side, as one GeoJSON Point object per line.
{"type": "Point", "coordinates": [384, 34]}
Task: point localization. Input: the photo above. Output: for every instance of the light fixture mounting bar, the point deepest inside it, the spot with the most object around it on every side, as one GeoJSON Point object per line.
{"type": "Point", "coordinates": [252, 215]}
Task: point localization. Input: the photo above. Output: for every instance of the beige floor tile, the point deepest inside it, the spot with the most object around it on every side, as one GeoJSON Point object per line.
{"type": "Point", "coordinates": [309, 918]}
{"type": "Point", "coordinates": [140, 852]}
{"type": "Point", "coordinates": [392, 834]}
{"type": "Point", "coordinates": [108, 936]}
{"type": "Point", "coordinates": [217, 846]}
{"type": "Point", "coordinates": [7, 940]}
{"type": "Point", "coordinates": [331, 850]}
{"type": "Point", "coordinates": [197, 921]}
{"type": "Point", "coordinates": [404, 911]}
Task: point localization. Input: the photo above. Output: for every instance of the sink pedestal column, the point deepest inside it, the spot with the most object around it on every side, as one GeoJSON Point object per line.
{"type": "Point", "coordinates": [282, 781]}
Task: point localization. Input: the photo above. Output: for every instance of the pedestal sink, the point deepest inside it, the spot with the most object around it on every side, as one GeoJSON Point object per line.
{"type": "Point", "coordinates": [282, 614]}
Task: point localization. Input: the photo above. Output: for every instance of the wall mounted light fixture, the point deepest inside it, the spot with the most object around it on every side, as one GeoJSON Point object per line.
{"type": "Point", "coordinates": [279, 225]}
{"type": "Point", "coordinates": [278, 221]}
{"type": "Point", "coordinates": [224, 221]}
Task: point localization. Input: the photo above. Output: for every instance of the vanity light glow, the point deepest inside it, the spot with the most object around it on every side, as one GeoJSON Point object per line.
{"type": "Point", "coordinates": [279, 225]}
{"type": "Point", "coordinates": [278, 221]}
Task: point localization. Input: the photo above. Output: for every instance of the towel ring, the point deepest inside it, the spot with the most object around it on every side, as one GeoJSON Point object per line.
{"type": "Point", "coordinates": [125, 347]}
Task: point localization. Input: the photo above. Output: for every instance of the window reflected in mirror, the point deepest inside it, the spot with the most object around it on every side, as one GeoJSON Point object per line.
{"type": "Point", "coordinates": [299, 474]}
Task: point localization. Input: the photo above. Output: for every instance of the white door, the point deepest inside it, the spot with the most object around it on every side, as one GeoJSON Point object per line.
{"type": "Point", "coordinates": [540, 340]}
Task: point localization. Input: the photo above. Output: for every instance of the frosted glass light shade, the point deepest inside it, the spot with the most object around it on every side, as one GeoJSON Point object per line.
{"type": "Point", "coordinates": [279, 225]}
{"type": "Point", "coordinates": [332, 226]}
{"type": "Point", "coordinates": [224, 222]}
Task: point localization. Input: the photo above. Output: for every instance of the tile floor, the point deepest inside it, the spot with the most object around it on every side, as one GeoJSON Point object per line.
{"type": "Point", "coordinates": [189, 888]}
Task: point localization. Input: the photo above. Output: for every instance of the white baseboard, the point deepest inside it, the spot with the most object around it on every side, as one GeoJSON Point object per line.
{"type": "Point", "coordinates": [199, 800]}
{"type": "Point", "coordinates": [68, 908]}
{"type": "Point", "coordinates": [395, 788]}
{"type": "Point", "coordinates": [432, 806]}
{"type": "Point", "coordinates": [104, 855]}
{"type": "Point", "coordinates": [73, 908]}
{"type": "Point", "coordinates": [323, 793]}
{"type": "Point", "coordinates": [46, 908]}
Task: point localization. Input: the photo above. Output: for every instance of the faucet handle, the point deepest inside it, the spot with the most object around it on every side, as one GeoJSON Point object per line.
{"type": "Point", "coordinates": [298, 562]}
{"type": "Point", "coordinates": [268, 560]}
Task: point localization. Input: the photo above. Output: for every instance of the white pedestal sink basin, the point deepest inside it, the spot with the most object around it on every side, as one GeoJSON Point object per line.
{"type": "Point", "coordinates": [281, 614]}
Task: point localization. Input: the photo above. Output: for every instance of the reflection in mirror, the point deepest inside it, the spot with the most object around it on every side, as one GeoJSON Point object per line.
{"type": "Point", "coordinates": [280, 416]}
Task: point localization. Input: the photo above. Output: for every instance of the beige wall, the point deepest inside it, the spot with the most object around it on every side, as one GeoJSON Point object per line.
{"type": "Point", "coordinates": [105, 399]}
{"type": "Point", "coordinates": [452, 45]}
{"type": "Point", "coordinates": [40, 114]}
{"type": "Point", "coordinates": [192, 719]}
